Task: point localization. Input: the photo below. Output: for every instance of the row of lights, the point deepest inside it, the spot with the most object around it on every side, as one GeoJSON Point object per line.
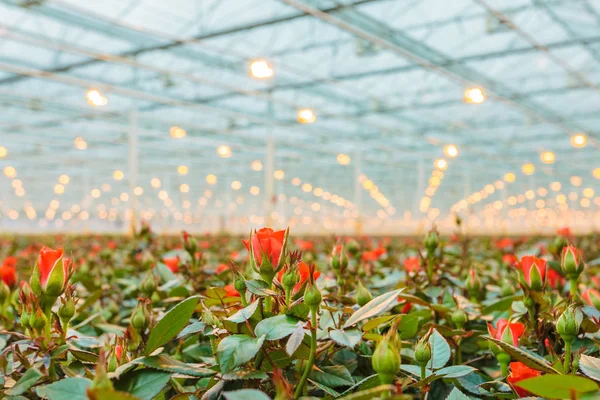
{"type": "Point", "coordinates": [482, 194]}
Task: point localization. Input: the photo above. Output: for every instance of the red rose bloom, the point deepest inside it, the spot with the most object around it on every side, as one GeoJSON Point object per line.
{"type": "Point", "coordinates": [373, 255]}
{"type": "Point", "coordinates": [172, 263]}
{"type": "Point", "coordinates": [47, 261]}
{"type": "Point", "coordinates": [8, 274]}
{"type": "Point", "coordinates": [266, 243]}
{"type": "Point", "coordinates": [221, 268]}
{"type": "Point", "coordinates": [304, 272]}
{"type": "Point", "coordinates": [10, 261]}
{"type": "Point", "coordinates": [516, 330]}
{"type": "Point", "coordinates": [509, 259]}
{"type": "Point", "coordinates": [412, 264]}
{"type": "Point", "coordinates": [505, 243]}
{"type": "Point", "coordinates": [526, 266]}
{"type": "Point", "coordinates": [566, 232]}
{"type": "Point", "coordinates": [591, 297]}
{"type": "Point", "coordinates": [554, 279]}
{"type": "Point", "coordinates": [231, 292]}
{"type": "Point", "coordinates": [520, 372]}
{"type": "Point", "coordinates": [304, 245]}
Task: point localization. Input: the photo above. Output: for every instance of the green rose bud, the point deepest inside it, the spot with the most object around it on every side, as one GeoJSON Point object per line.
{"type": "Point", "coordinates": [386, 358]}
{"type": "Point", "coordinates": [571, 262]}
{"type": "Point", "coordinates": [459, 318]}
{"type": "Point", "coordinates": [363, 296]}
{"type": "Point", "coordinates": [148, 285]}
{"type": "Point", "coordinates": [423, 351]}
{"type": "Point", "coordinates": [568, 325]}
{"type": "Point", "coordinates": [39, 320]}
{"type": "Point", "coordinates": [432, 240]}
{"type": "Point", "coordinates": [66, 311]}
{"type": "Point", "coordinates": [4, 292]}
{"type": "Point", "coordinates": [312, 296]}
{"type": "Point", "coordinates": [353, 247]}
{"type": "Point", "coordinates": [240, 284]}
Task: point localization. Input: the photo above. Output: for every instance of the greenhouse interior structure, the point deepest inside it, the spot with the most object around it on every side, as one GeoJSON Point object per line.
{"type": "Point", "coordinates": [328, 116]}
{"type": "Point", "coordinates": [299, 199]}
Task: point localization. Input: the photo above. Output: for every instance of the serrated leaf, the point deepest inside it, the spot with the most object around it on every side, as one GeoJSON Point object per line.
{"type": "Point", "coordinates": [408, 326]}
{"type": "Point", "coordinates": [517, 354]}
{"type": "Point", "coordinates": [143, 383]}
{"type": "Point", "coordinates": [246, 394]}
{"type": "Point", "coordinates": [455, 371]}
{"type": "Point", "coordinates": [65, 389]}
{"type": "Point", "coordinates": [456, 394]}
{"type": "Point", "coordinates": [168, 364]}
{"type": "Point", "coordinates": [245, 374]}
{"type": "Point", "coordinates": [29, 378]}
{"type": "Point", "coordinates": [349, 338]}
{"type": "Point", "coordinates": [245, 313]}
{"type": "Point", "coordinates": [590, 366]}
{"type": "Point", "coordinates": [332, 376]}
{"type": "Point", "coordinates": [375, 322]}
{"type": "Point", "coordinates": [375, 307]}
{"type": "Point", "coordinates": [553, 386]}
{"type": "Point", "coordinates": [259, 288]}
{"type": "Point", "coordinates": [236, 350]}
{"type": "Point", "coordinates": [326, 389]}
{"type": "Point", "coordinates": [276, 327]}
{"type": "Point", "coordinates": [195, 327]}
{"type": "Point", "coordinates": [171, 324]}
{"type": "Point", "coordinates": [440, 350]}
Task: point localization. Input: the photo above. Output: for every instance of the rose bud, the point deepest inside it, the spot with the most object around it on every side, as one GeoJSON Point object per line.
{"type": "Point", "coordinates": [557, 245]}
{"type": "Point", "coordinates": [50, 273]}
{"type": "Point", "coordinates": [353, 247]}
{"type": "Point", "coordinates": [571, 262]}
{"type": "Point", "coordinates": [509, 259]}
{"type": "Point", "coordinates": [189, 244]}
{"type": "Point", "coordinates": [339, 259]}
{"type": "Point", "coordinates": [432, 241]}
{"type": "Point", "coordinates": [423, 351]}
{"type": "Point", "coordinates": [172, 263]}
{"type": "Point", "coordinates": [38, 320]}
{"type": "Point", "coordinates": [312, 294]}
{"type": "Point", "coordinates": [267, 251]}
{"type": "Point", "coordinates": [507, 332]}
{"type": "Point", "coordinates": [148, 285]}
{"type": "Point", "coordinates": [519, 372]}
{"type": "Point", "coordinates": [459, 318]}
{"type": "Point", "coordinates": [4, 292]}
{"type": "Point", "coordinates": [532, 273]}
{"type": "Point", "coordinates": [386, 359]}
{"type": "Point", "coordinates": [290, 278]}
{"type": "Point", "coordinates": [363, 296]}
{"type": "Point", "coordinates": [473, 284]}
{"type": "Point", "coordinates": [591, 297]}
{"type": "Point", "coordinates": [567, 325]}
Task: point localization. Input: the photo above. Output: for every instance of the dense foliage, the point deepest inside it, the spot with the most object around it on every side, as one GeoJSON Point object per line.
{"type": "Point", "coordinates": [275, 316]}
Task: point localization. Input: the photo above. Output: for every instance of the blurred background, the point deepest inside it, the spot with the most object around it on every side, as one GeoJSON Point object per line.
{"type": "Point", "coordinates": [353, 116]}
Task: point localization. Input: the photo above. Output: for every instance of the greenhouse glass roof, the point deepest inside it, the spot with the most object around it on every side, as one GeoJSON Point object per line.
{"type": "Point", "coordinates": [422, 109]}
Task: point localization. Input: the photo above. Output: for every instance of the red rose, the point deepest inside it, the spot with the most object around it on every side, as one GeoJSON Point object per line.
{"type": "Point", "coordinates": [509, 259]}
{"type": "Point", "coordinates": [231, 292]}
{"type": "Point", "coordinates": [51, 271]}
{"type": "Point", "coordinates": [566, 232]}
{"type": "Point", "coordinates": [406, 308]}
{"type": "Point", "coordinates": [515, 331]}
{"type": "Point", "coordinates": [8, 274]}
{"type": "Point", "coordinates": [304, 245]}
{"type": "Point", "coordinates": [555, 279]}
{"type": "Point", "coordinates": [172, 263]}
{"type": "Point", "coordinates": [519, 372]}
{"type": "Point", "coordinates": [304, 272]}
{"type": "Point", "coordinates": [221, 268]}
{"type": "Point", "coordinates": [533, 272]}
{"type": "Point", "coordinates": [266, 243]}
{"type": "Point", "coordinates": [505, 243]}
{"type": "Point", "coordinates": [10, 261]}
{"type": "Point", "coordinates": [412, 264]}
{"type": "Point", "coordinates": [592, 297]}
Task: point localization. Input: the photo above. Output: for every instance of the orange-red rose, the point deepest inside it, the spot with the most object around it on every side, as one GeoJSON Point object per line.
{"type": "Point", "coordinates": [515, 330]}
{"type": "Point", "coordinates": [520, 372]}
{"type": "Point", "coordinates": [266, 243]}
{"type": "Point", "coordinates": [172, 263]}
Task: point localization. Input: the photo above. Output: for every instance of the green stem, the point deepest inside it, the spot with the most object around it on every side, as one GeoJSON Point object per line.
{"type": "Point", "coordinates": [429, 267]}
{"type": "Point", "coordinates": [243, 298]}
{"type": "Point", "coordinates": [573, 287]}
{"type": "Point", "coordinates": [311, 358]}
{"type": "Point", "coordinates": [423, 376]}
{"type": "Point", "coordinates": [567, 361]}
{"type": "Point", "coordinates": [504, 369]}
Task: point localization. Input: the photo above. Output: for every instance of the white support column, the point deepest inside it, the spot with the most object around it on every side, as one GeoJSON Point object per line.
{"type": "Point", "coordinates": [133, 170]}
{"type": "Point", "coordinates": [358, 192]}
{"type": "Point", "coordinates": [269, 166]}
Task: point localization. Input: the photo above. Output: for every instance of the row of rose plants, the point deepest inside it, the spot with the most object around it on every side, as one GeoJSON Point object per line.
{"type": "Point", "coordinates": [270, 317]}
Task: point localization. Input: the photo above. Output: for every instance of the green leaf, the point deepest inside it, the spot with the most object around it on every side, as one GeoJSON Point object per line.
{"type": "Point", "coordinates": [456, 394]}
{"type": "Point", "coordinates": [29, 378]}
{"type": "Point", "coordinates": [259, 288]}
{"type": "Point", "coordinates": [245, 374]}
{"type": "Point", "coordinates": [66, 389]}
{"type": "Point", "coordinates": [110, 394]}
{"type": "Point", "coordinates": [590, 366]}
{"type": "Point", "coordinates": [554, 386]}
{"type": "Point", "coordinates": [375, 322]}
{"type": "Point", "coordinates": [455, 371]}
{"type": "Point", "coordinates": [408, 326]}
{"type": "Point", "coordinates": [246, 394]}
{"type": "Point", "coordinates": [236, 350]}
{"type": "Point", "coordinates": [368, 394]}
{"type": "Point", "coordinates": [326, 389]}
{"type": "Point", "coordinates": [195, 327]}
{"type": "Point", "coordinates": [348, 338]}
{"type": "Point", "coordinates": [332, 376]}
{"type": "Point", "coordinates": [375, 307]}
{"type": "Point", "coordinates": [440, 350]}
{"type": "Point", "coordinates": [171, 324]}
{"type": "Point", "coordinates": [276, 327]}
{"type": "Point", "coordinates": [528, 359]}
{"type": "Point", "coordinates": [164, 363]}
{"type": "Point", "coordinates": [245, 313]}
{"type": "Point", "coordinates": [295, 339]}
{"type": "Point", "coordinates": [143, 383]}
{"type": "Point", "coordinates": [502, 304]}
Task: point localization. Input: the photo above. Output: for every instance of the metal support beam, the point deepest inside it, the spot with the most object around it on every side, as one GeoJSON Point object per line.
{"type": "Point", "coordinates": [133, 169]}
